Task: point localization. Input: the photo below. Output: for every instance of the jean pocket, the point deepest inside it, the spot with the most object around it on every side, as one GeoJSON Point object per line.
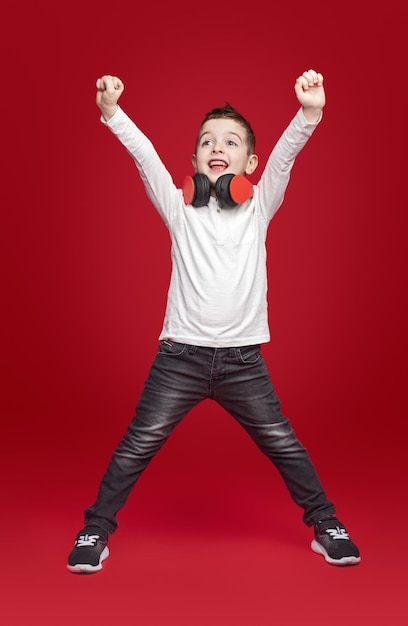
{"type": "Point", "coordinates": [249, 354]}
{"type": "Point", "coordinates": [171, 348]}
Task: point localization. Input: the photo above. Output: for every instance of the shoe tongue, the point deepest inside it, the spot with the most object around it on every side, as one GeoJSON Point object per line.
{"type": "Point", "coordinates": [329, 522]}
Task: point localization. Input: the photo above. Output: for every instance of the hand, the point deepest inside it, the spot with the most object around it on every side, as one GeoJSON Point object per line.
{"type": "Point", "coordinates": [310, 93]}
{"type": "Point", "coordinates": [109, 89]}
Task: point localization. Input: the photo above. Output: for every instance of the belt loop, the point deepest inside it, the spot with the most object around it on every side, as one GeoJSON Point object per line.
{"type": "Point", "coordinates": [192, 349]}
{"type": "Point", "coordinates": [233, 353]}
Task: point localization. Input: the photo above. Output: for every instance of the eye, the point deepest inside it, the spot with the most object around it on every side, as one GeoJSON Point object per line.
{"type": "Point", "coordinates": [207, 142]}
{"type": "Point", "coordinates": [231, 142]}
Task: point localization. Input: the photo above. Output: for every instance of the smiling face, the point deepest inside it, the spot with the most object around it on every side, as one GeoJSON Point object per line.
{"type": "Point", "coordinates": [222, 149]}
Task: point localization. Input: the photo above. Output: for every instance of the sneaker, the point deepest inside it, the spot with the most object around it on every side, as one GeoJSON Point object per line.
{"type": "Point", "coordinates": [89, 551]}
{"type": "Point", "coordinates": [333, 542]}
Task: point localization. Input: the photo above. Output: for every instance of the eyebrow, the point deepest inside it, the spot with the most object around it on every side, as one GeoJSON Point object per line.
{"type": "Point", "coordinates": [207, 132]}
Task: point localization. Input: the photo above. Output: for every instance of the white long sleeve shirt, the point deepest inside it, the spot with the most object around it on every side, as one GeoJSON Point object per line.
{"type": "Point", "coordinates": [218, 287]}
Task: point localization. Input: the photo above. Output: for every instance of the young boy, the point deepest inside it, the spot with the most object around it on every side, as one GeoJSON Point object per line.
{"type": "Point", "coordinates": [216, 315]}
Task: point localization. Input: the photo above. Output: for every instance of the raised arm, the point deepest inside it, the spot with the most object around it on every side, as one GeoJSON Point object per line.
{"type": "Point", "coordinates": [158, 183]}
{"type": "Point", "coordinates": [274, 180]}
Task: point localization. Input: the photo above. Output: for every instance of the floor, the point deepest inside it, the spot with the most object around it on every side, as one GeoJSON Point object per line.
{"type": "Point", "coordinates": [196, 547]}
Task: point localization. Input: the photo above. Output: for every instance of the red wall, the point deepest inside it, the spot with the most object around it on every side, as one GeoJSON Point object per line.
{"type": "Point", "coordinates": [86, 258]}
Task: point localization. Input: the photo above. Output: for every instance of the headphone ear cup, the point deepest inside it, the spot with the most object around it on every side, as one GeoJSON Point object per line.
{"type": "Point", "coordinates": [232, 190]}
{"type": "Point", "coordinates": [196, 190]}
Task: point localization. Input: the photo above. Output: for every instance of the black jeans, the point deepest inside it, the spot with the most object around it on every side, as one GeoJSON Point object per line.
{"type": "Point", "coordinates": [182, 376]}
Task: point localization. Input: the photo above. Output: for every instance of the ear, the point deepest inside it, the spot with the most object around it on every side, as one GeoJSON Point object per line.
{"type": "Point", "coordinates": [252, 164]}
{"type": "Point", "coordinates": [194, 162]}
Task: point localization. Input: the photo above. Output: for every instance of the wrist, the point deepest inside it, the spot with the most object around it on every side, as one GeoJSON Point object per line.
{"type": "Point", "coordinates": [312, 114]}
{"type": "Point", "coordinates": [108, 111]}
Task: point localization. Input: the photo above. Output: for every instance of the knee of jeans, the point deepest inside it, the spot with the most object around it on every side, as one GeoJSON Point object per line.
{"type": "Point", "coordinates": [145, 431]}
{"type": "Point", "coordinates": [140, 446]}
{"type": "Point", "coordinates": [279, 436]}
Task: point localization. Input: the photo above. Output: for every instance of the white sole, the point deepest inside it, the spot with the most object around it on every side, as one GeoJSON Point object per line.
{"type": "Point", "coordinates": [86, 568]}
{"type": "Point", "coordinates": [346, 560]}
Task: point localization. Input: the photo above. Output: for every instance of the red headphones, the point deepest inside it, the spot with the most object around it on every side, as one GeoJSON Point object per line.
{"type": "Point", "coordinates": [230, 190]}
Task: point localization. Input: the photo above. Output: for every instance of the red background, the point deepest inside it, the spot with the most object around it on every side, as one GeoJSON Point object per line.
{"type": "Point", "coordinates": [209, 537]}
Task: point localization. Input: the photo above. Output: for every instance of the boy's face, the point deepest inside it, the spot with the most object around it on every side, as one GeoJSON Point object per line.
{"type": "Point", "coordinates": [222, 149]}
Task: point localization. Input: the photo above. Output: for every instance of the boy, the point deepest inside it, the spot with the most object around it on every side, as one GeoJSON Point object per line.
{"type": "Point", "coordinates": [216, 315]}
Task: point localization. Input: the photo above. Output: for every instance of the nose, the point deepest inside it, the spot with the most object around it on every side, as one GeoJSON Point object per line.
{"type": "Point", "coordinates": [217, 147]}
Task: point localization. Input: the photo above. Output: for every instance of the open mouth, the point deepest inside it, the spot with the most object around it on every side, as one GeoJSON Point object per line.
{"type": "Point", "coordinates": [218, 165]}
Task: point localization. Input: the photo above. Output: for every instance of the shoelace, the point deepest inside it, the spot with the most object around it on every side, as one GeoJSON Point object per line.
{"type": "Point", "coordinates": [87, 540]}
{"type": "Point", "coordinates": [337, 533]}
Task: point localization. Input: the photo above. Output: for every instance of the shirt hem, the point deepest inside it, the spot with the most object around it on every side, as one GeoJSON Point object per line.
{"type": "Point", "coordinates": [215, 343]}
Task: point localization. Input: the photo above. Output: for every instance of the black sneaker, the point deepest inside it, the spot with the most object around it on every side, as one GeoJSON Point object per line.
{"type": "Point", "coordinates": [89, 551]}
{"type": "Point", "coordinates": [333, 542]}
